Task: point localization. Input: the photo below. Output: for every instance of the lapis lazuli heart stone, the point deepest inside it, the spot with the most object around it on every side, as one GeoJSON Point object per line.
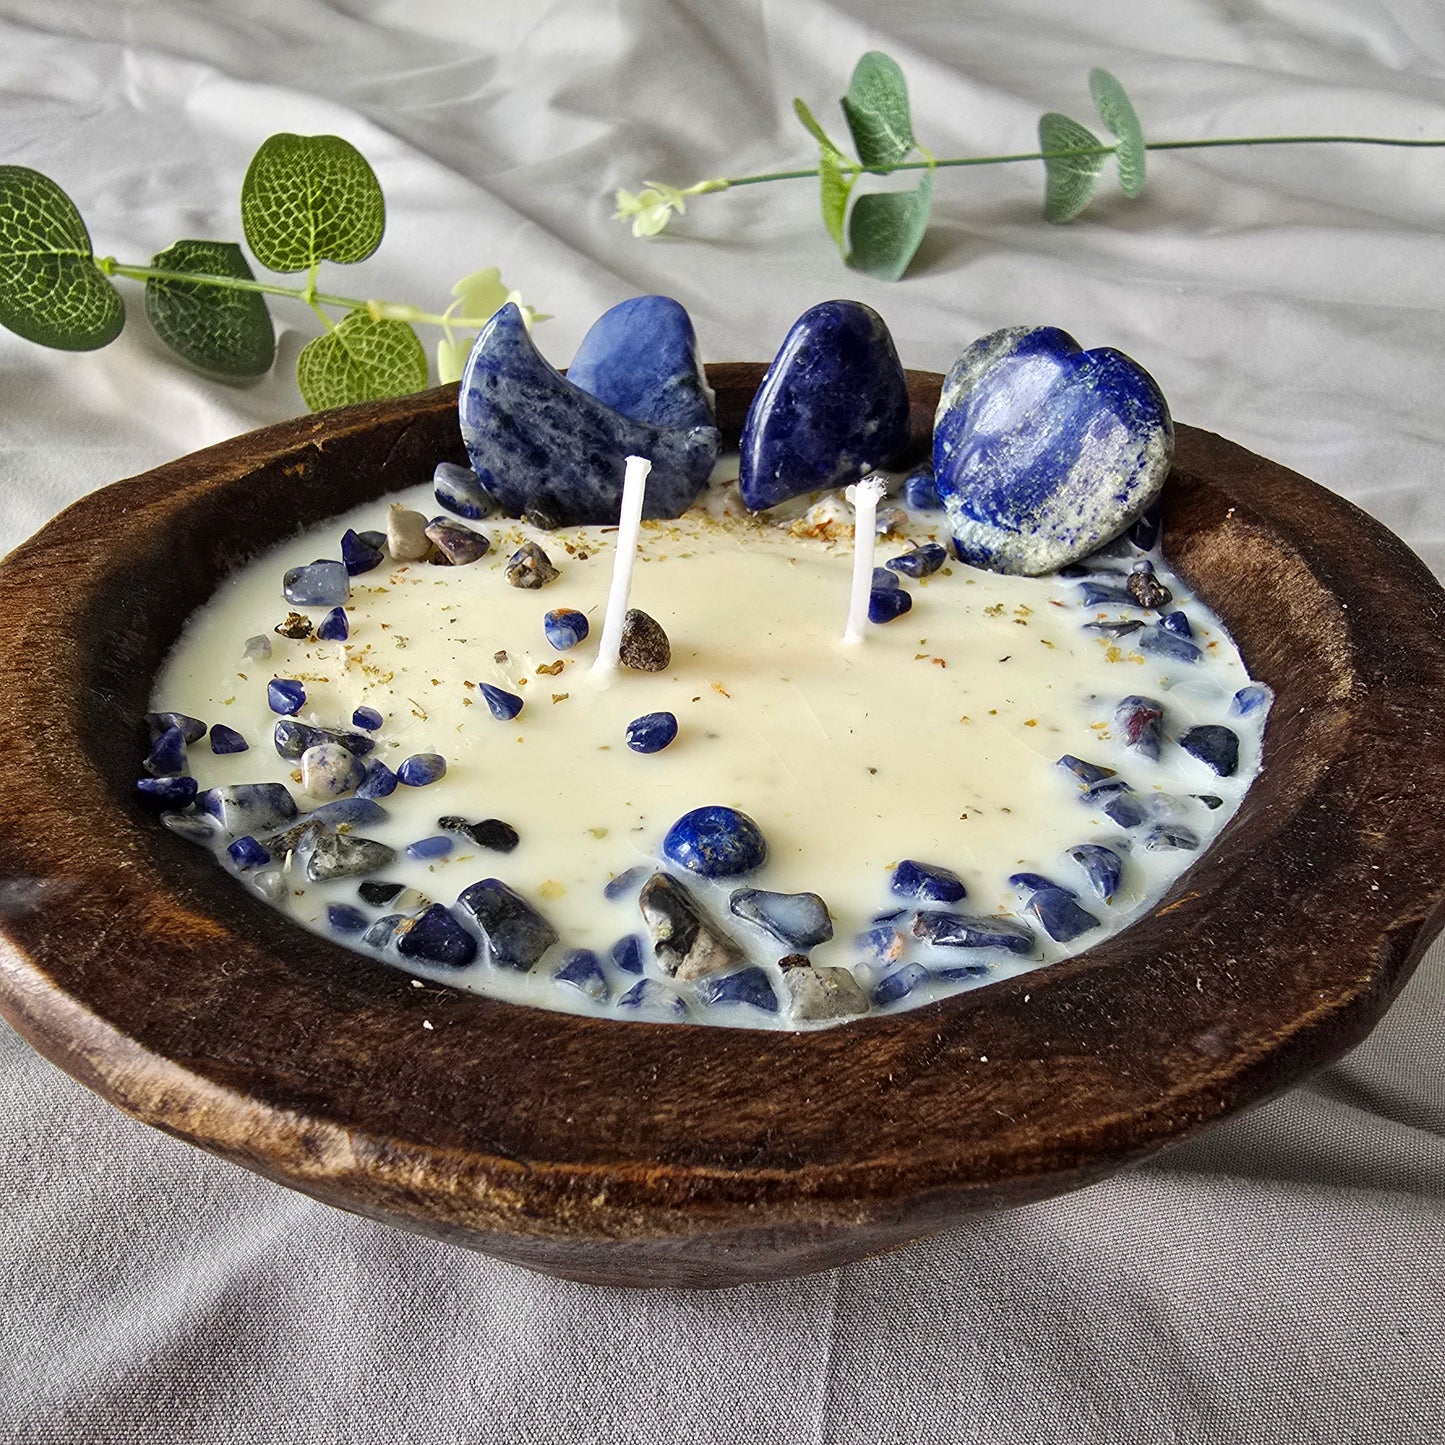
{"type": "Point", "coordinates": [1042, 452]}
{"type": "Point", "coordinates": [641, 359]}
{"type": "Point", "coordinates": [539, 442]}
{"type": "Point", "coordinates": [833, 405]}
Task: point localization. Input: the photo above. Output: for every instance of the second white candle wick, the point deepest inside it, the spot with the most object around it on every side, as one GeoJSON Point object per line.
{"type": "Point", "coordinates": [634, 488]}
{"type": "Point", "coordinates": [865, 496]}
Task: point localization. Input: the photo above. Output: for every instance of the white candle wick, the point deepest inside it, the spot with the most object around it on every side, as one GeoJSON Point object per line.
{"type": "Point", "coordinates": [865, 497]}
{"type": "Point", "coordinates": [629, 523]}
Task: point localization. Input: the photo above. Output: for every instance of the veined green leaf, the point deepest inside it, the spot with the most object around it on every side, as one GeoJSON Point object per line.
{"type": "Point", "coordinates": [1069, 180]}
{"type": "Point", "coordinates": [224, 332]}
{"type": "Point", "coordinates": [886, 228]}
{"type": "Point", "coordinates": [876, 107]}
{"type": "Point", "coordinates": [810, 124]}
{"type": "Point", "coordinates": [360, 360]}
{"type": "Point", "coordinates": [1120, 120]}
{"type": "Point", "coordinates": [834, 188]}
{"type": "Point", "coordinates": [309, 198]}
{"type": "Point", "coordinates": [50, 289]}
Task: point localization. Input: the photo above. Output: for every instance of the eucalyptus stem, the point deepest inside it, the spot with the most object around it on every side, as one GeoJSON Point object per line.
{"type": "Point", "coordinates": [849, 169]}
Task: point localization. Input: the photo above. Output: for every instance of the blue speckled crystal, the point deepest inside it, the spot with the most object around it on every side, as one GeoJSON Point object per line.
{"type": "Point", "coordinates": [458, 490]}
{"type": "Point", "coordinates": [1250, 698]}
{"type": "Point", "coordinates": [334, 627]}
{"type": "Point", "coordinates": [438, 845]}
{"type": "Point", "coordinates": [420, 770]}
{"type": "Point", "coordinates": [285, 695]}
{"type": "Point", "coordinates": [716, 842]}
{"type": "Point", "coordinates": [565, 627]}
{"type": "Point", "coordinates": [368, 718]}
{"type": "Point", "coordinates": [515, 933]}
{"type": "Point", "coordinates": [1102, 866]}
{"type": "Point", "coordinates": [358, 555]}
{"type": "Point", "coordinates": [1215, 745]}
{"type": "Point", "coordinates": [536, 440]}
{"type": "Point", "coordinates": [833, 405]}
{"type": "Point", "coordinates": [900, 983]}
{"type": "Point", "coordinates": [227, 740]}
{"type": "Point", "coordinates": [1084, 772]}
{"type": "Point", "coordinates": [379, 782]}
{"type": "Point", "coordinates": [246, 852]}
{"type": "Point", "coordinates": [1177, 623]}
{"type": "Point", "coordinates": [582, 969]}
{"type": "Point", "coordinates": [749, 986]}
{"type": "Point", "coordinates": [881, 944]}
{"type": "Point", "coordinates": [921, 561]}
{"type": "Point", "coordinates": [1063, 919]}
{"type": "Point", "coordinates": [1042, 451]}
{"type": "Point", "coordinates": [884, 580]}
{"type": "Point", "coordinates": [1032, 882]}
{"type": "Point", "coordinates": [167, 757]}
{"type": "Point", "coordinates": [653, 997]}
{"type": "Point", "coordinates": [920, 492]}
{"type": "Point", "coordinates": [799, 919]}
{"type": "Point", "coordinates": [357, 812]}
{"type": "Point", "coordinates": [1125, 810]}
{"type": "Point", "coordinates": [927, 881]}
{"type": "Point", "coordinates": [629, 953]}
{"type": "Point", "coordinates": [964, 930]}
{"type": "Point", "coordinates": [345, 918]}
{"type": "Point", "coordinates": [318, 584]}
{"type": "Point", "coordinates": [504, 705]}
{"type": "Point", "coordinates": [628, 881]}
{"type": "Point", "coordinates": [167, 792]}
{"type": "Point", "coordinates": [292, 738]}
{"type": "Point", "coordinates": [249, 807]}
{"type": "Point", "coordinates": [641, 359]}
{"type": "Point", "coordinates": [1161, 641]}
{"type": "Point", "coordinates": [651, 732]}
{"type": "Point", "coordinates": [192, 728]}
{"type": "Point", "coordinates": [437, 937]}
{"type": "Point", "coordinates": [887, 604]}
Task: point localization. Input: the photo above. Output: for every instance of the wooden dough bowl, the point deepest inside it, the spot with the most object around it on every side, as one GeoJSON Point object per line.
{"type": "Point", "coordinates": [639, 1153]}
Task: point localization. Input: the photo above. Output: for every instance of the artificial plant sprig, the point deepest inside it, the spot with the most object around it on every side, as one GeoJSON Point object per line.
{"type": "Point", "coordinates": [305, 200]}
{"type": "Point", "coordinates": [881, 232]}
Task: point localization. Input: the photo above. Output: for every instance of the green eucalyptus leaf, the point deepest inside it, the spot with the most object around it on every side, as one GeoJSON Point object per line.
{"type": "Point", "coordinates": [885, 229]}
{"type": "Point", "coordinates": [309, 198]}
{"type": "Point", "coordinates": [1120, 119]}
{"type": "Point", "coordinates": [810, 124]}
{"type": "Point", "coordinates": [51, 291]}
{"type": "Point", "coordinates": [876, 107]}
{"type": "Point", "coordinates": [217, 330]}
{"type": "Point", "coordinates": [360, 359]}
{"type": "Point", "coordinates": [1069, 181]}
{"type": "Point", "coordinates": [834, 188]}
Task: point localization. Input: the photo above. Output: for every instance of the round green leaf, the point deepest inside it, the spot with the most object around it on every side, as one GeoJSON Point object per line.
{"type": "Point", "coordinates": [877, 111]}
{"type": "Point", "coordinates": [309, 198]}
{"type": "Point", "coordinates": [1069, 180]}
{"type": "Point", "coordinates": [360, 360]}
{"type": "Point", "coordinates": [50, 289]}
{"type": "Point", "coordinates": [1121, 121]}
{"type": "Point", "coordinates": [216, 330]}
{"type": "Point", "coordinates": [834, 188]}
{"type": "Point", "coordinates": [886, 229]}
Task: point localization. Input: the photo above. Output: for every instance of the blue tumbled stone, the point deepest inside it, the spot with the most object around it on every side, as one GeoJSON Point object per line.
{"type": "Point", "coordinates": [1042, 451]}
{"type": "Point", "coordinates": [322, 583]}
{"type": "Point", "coordinates": [921, 561]}
{"type": "Point", "coordinates": [641, 359]}
{"type": "Point", "coordinates": [887, 604]}
{"type": "Point", "coordinates": [900, 983]}
{"type": "Point", "coordinates": [966, 930]}
{"type": "Point", "coordinates": [920, 492]}
{"type": "Point", "coordinates": [1033, 882]}
{"type": "Point", "coordinates": [1250, 698]}
{"type": "Point", "coordinates": [1161, 641]}
{"type": "Point", "coordinates": [383, 930]}
{"type": "Point", "coordinates": [1136, 720]}
{"type": "Point", "coordinates": [345, 918]}
{"type": "Point", "coordinates": [653, 997]}
{"type": "Point", "coordinates": [799, 919]}
{"type": "Point", "coordinates": [458, 489]}
{"type": "Point", "coordinates": [927, 881]}
{"type": "Point", "coordinates": [420, 770]}
{"type": "Point", "coordinates": [516, 935]}
{"type": "Point", "coordinates": [167, 758]}
{"type": "Point", "coordinates": [1102, 867]}
{"type": "Point", "coordinates": [358, 555]}
{"type": "Point", "coordinates": [249, 807]}
{"type": "Point", "coordinates": [1144, 533]}
{"type": "Point", "coordinates": [1163, 837]}
{"type": "Point", "coordinates": [750, 986]}
{"type": "Point", "coordinates": [379, 782]}
{"type": "Point", "coordinates": [833, 406]}
{"type": "Point", "coordinates": [1062, 918]}
{"type": "Point", "coordinates": [436, 846]}
{"type": "Point", "coordinates": [157, 723]}
{"type": "Point", "coordinates": [628, 881]}
{"type": "Point", "coordinates": [582, 969]}
{"type": "Point", "coordinates": [334, 627]}
{"type": "Point", "coordinates": [628, 953]}
{"type": "Point", "coordinates": [292, 738]}
{"type": "Point", "coordinates": [716, 842]}
{"type": "Point", "coordinates": [651, 732]}
{"type": "Point", "coordinates": [1215, 745]}
{"type": "Point", "coordinates": [368, 718]}
{"type": "Point", "coordinates": [1125, 810]}
{"type": "Point", "coordinates": [437, 937]}
{"type": "Point", "coordinates": [227, 740]}
{"type": "Point", "coordinates": [246, 852]}
{"type": "Point", "coordinates": [167, 792]}
{"type": "Point", "coordinates": [536, 440]}
{"type": "Point", "coordinates": [1177, 623]}
{"type": "Point", "coordinates": [1099, 594]}
{"type": "Point", "coordinates": [881, 944]}
{"type": "Point", "coordinates": [285, 695]}
{"type": "Point", "coordinates": [357, 812]}
{"type": "Point", "coordinates": [460, 545]}
{"type": "Point", "coordinates": [565, 627]}
{"type": "Point", "coordinates": [503, 704]}
{"type": "Point", "coordinates": [1085, 772]}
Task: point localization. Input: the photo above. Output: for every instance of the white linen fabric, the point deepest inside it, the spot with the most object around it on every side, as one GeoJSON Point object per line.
{"type": "Point", "coordinates": [1279, 1279]}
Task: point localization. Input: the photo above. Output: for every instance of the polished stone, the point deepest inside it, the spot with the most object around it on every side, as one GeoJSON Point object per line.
{"type": "Point", "coordinates": [1042, 452]}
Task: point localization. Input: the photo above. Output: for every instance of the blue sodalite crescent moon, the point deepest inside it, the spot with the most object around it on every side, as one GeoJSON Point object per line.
{"type": "Point", "coordinates": [641, 359]}
{"type": "Point", "coordinates": [1043, 452]}
{"type": "Point", "coordinates": [538, 441]}
{"type": "Point", "coordinates": [833, 405]}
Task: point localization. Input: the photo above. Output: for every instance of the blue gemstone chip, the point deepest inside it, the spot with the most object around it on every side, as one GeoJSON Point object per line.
{"type": "Point", "coordinates": [504, 705]}
{"type": "Point", "coordinates": [651, 732]}
{"type": "Point", "coordinates": [927, 881]}
{"type": "Point", "coordinates": [716, 842]}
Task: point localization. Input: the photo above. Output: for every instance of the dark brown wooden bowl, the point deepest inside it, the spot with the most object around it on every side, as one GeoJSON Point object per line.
{"type": "Point", "coordinates": [631, 1153]}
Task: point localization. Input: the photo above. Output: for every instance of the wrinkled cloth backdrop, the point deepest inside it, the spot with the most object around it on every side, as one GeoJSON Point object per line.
{"type": "Point", "coordinates": [1277, 1280]}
